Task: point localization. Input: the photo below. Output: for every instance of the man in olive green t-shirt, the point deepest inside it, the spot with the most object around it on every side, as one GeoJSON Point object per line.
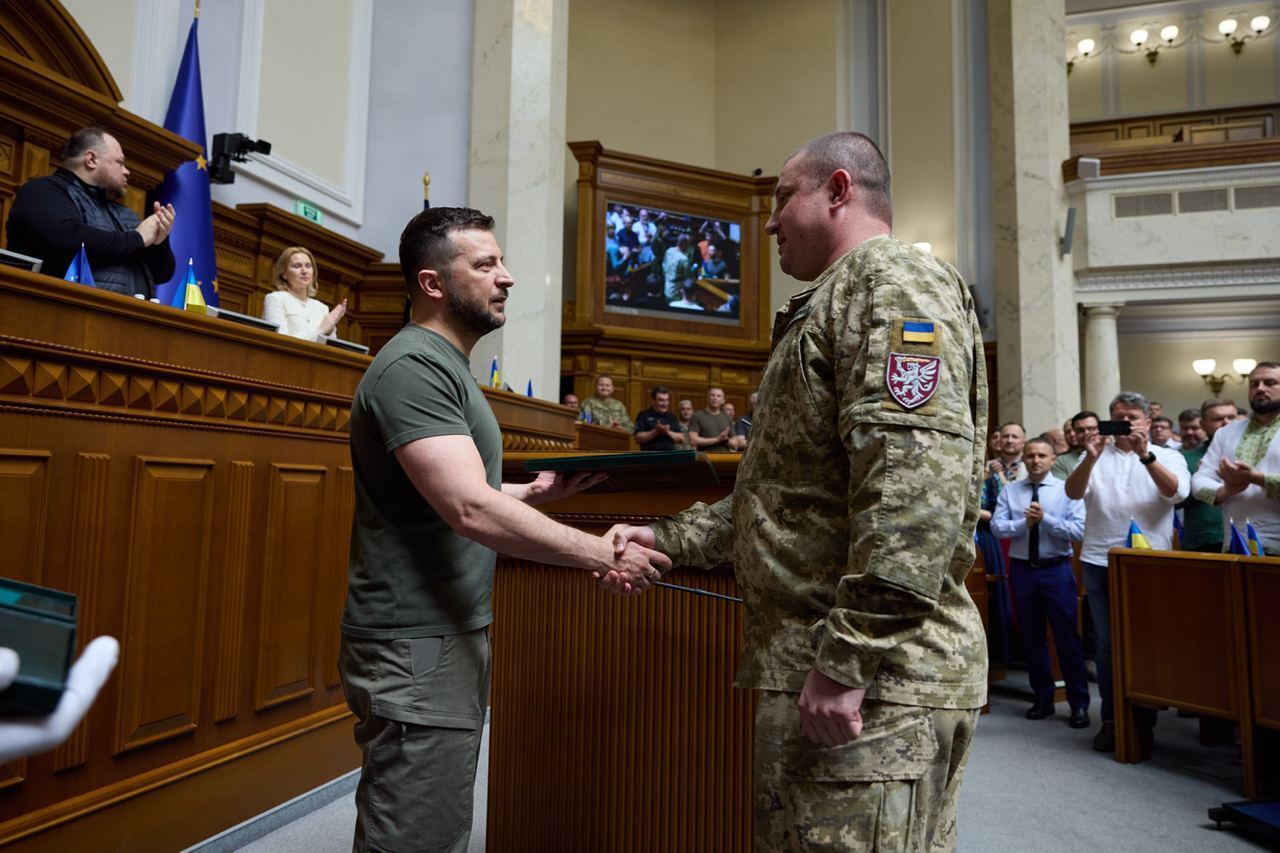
{"type": "Point", "coordinates": [710, 428]}
{"type": "Point", "coordinates": [430, 512]}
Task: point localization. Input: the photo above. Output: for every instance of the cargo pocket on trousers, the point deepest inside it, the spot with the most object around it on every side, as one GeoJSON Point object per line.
{"type": "Point", "coordinates": [897, 743]}
{"type": "Point", "coordinates": [439, 682]}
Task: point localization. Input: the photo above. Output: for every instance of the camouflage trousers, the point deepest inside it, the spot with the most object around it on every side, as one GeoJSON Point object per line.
{"type": "Point", "coordinates": [895, 788]}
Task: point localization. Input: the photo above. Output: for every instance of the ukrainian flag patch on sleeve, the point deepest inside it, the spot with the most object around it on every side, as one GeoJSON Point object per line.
{"type": "Point", "coordinates": [917, 332]}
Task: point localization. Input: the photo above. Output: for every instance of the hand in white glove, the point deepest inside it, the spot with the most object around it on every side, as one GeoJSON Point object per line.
{"type": "Point", "coordinates": [23, 736]}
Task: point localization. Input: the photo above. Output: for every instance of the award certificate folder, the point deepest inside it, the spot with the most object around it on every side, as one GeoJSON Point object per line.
{"type": "Point", "coordinates": [634, 472]}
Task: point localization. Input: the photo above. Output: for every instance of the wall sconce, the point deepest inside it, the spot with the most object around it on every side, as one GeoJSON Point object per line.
{"type": "Point", "coordinates": [1257, 27]}
{"type": "Point", "coordinates": [1084, 49]}
{"type": "Point", "coordinates": [1206, 366]}
{"type": "Point", "coordinates": [1141, 40]}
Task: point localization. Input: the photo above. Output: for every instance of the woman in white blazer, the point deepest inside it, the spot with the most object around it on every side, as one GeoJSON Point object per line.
{"type": "Point", "coordinates": [292, 307]}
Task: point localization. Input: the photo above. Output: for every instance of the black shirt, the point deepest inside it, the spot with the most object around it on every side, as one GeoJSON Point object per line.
{"type": "Point", "coordinates": [649, 419]}
{"type": "Point", "coordinates": [46, 223]}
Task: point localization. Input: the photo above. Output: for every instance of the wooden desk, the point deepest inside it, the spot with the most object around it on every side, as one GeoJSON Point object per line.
{"type": "Point", "coordinates": [1197, 632]}
{"type": "Point", "coordinates": [189, 480]}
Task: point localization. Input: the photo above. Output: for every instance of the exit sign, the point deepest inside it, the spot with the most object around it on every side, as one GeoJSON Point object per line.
{"type": "Point", "coordinates": [308, 211]}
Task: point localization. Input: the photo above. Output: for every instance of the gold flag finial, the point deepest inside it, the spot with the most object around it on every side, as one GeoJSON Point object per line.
{"type": "Point", "coordinates": [197, 9]}
{"type": "Point", "coordinates": [426, 186]}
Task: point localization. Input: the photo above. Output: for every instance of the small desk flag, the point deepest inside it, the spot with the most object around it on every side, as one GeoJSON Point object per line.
{"type": "Point", "coordinates": [187, 187]}
{"type": "Point", "coordinates": [1251, 538]}
{"type": "Point", "coordinates": [528, 389]}
{"type": "Point", "coordinates": [1136, 539]}
{"type": "Point", "coordinates": [79, 271]}
{"type": "Point", "coordinates": [495, 376]}
{"type": "Point", "coordinates": [193, 299]}
{"type": "Point", "coordinates": [1237, 544]}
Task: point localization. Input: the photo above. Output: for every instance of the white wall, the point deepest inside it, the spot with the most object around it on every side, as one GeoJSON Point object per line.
{"type": "Point", "coordinates": [419, 113]}
{"type": "Point", "coordinates": [1159, 364]}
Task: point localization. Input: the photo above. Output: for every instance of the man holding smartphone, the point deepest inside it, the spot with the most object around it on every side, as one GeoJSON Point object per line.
{"type": "Point", "coordinates": [1121, 477]}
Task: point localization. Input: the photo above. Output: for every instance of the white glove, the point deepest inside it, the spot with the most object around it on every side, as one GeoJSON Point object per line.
{"type": "Point", "coordinates": [23, 736]}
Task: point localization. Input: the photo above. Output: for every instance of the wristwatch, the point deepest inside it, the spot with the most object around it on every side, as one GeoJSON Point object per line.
{"type": "Point", "coordinates": [1149, 458]}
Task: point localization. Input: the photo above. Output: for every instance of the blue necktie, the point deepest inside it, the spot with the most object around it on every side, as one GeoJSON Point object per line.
{"type": "Point", "coordinates": [1033, 543]}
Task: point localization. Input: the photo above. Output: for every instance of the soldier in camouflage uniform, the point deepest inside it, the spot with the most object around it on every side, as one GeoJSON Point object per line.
{"type": "Point", "coordinates": [851, 524]}
{"type": "Point", "coordinates": [603, 409]}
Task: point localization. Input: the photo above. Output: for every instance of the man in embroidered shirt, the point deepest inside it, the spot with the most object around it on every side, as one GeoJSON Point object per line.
{"type": "Point", "coordinates": [851, 523]}
{"type": "Point", "coordinates": [1240, 471]}
{"type": "Point", "coordinates": [1012, 438]}
{"type": "Point", "coordinates": [1043, 522]}
{"type": "Point", "coordinates": [1128, 480]}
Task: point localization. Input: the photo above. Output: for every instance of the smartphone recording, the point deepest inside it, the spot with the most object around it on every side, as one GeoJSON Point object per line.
{"type": "Point", "coordinates": [1114, 427]}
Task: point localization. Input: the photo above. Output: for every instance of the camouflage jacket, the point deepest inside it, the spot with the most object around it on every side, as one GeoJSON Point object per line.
{"type": "Point", "coordinates": [603, 410]}
{"type": "Point", "coordinates": [851, 524]}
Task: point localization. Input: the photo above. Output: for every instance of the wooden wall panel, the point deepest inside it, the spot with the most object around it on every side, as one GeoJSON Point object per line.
{"type": "Point", "coordinates": [88, 526]}
{"type": "Point", "coordinates": [1178, 628]}
{"type": "Point", "coordinates": [344, 506]}
{"type": "Point", "coordinates": [295, 551]}
{"type": "Point", "coordinates": [228, 652]}
{"type": "Point", "coordinates": [24, 494]}
{"type": "Point", "coordinates": [1262, 598]}
{"type": "Point", "coordinates": [161, 653]}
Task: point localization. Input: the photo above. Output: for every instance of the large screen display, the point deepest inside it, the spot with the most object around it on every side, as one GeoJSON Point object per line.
{"type": "Point", "coordinates": [669, 264]}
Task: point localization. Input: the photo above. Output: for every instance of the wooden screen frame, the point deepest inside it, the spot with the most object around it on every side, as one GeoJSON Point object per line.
{"type": "Point", "coordinates": [608, 177]}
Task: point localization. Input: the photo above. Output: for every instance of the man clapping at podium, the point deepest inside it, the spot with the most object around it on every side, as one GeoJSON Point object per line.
{"type": "Point", "coordinates": [79, 204]}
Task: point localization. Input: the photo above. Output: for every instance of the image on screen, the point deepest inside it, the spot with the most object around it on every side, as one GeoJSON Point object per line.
{"type": "Point", "coordinates": [663, 263]}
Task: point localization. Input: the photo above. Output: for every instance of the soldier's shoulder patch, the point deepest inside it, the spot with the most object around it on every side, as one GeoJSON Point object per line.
{"type": "Point", "coordinates": [912, 379]}
{"type": "Point", "coordinates": [916, 336]}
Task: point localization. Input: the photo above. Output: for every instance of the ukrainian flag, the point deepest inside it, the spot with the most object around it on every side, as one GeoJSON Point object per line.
{"type": "Point", "coordinates": [917, 333]}
{"type": "Point", "coordinates": [1251, 537]}
{"type": "Point", "coordinates": [1237, 545]}
{"type": "Point", "coordinates": [495, 376]}
{"type": "Point", "coordinates": [1136, 538]}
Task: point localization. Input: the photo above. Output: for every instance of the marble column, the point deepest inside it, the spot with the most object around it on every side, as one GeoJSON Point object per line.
{"type": "Point", "coordinates": [1101, 357]}
{"type": "Point", "coordinates": [1037, 337]}
{"type": "Point", "coordinates": [518, 86]}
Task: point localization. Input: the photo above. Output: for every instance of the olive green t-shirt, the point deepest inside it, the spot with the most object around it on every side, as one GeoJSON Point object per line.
{"type": "Point", "coordinates": [409, 574]}
{"type": "Point", "coordinates": [708, 425]}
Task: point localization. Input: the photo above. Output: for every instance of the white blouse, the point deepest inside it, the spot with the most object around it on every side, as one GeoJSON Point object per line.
{"type": "Point", "coordinates": [295, 317]}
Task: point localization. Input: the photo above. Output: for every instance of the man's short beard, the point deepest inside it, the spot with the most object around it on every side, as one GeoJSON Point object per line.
{"type": "Point", "coordinates": [474, 318]}
{"type": "Point", "coordinates": [1264, 407]}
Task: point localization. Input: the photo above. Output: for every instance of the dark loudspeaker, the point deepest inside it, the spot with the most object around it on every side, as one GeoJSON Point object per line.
{"type": "Point", "coordinates": [1064, 245]}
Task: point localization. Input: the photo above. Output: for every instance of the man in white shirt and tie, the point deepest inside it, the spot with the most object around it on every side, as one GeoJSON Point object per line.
{"type": "Point", "coordinates": [1042, 521]}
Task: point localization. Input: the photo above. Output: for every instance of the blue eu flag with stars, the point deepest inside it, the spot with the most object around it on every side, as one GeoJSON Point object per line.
{"type": "Point", "coordinates": [79, 272]}
{"type": "Point", "coordinates": [187, 187]}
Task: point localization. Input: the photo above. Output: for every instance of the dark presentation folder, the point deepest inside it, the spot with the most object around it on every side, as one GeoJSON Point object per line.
{"type": "Point", "coordinates": [634, 472]}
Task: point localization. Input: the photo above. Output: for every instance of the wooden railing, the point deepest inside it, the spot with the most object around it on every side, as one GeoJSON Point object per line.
{"type": "Point", "coordinates": [1173, 156]}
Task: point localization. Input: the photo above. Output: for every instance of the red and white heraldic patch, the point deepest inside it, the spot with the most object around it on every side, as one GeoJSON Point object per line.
{"type": "Point", "coordinates": [912, 379]}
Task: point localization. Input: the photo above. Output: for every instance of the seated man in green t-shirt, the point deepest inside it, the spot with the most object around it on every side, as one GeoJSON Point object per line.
{"type": "Point", "coordinates": [430, 512]}
{"type": "Point", "coordinates": [710, 428]}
